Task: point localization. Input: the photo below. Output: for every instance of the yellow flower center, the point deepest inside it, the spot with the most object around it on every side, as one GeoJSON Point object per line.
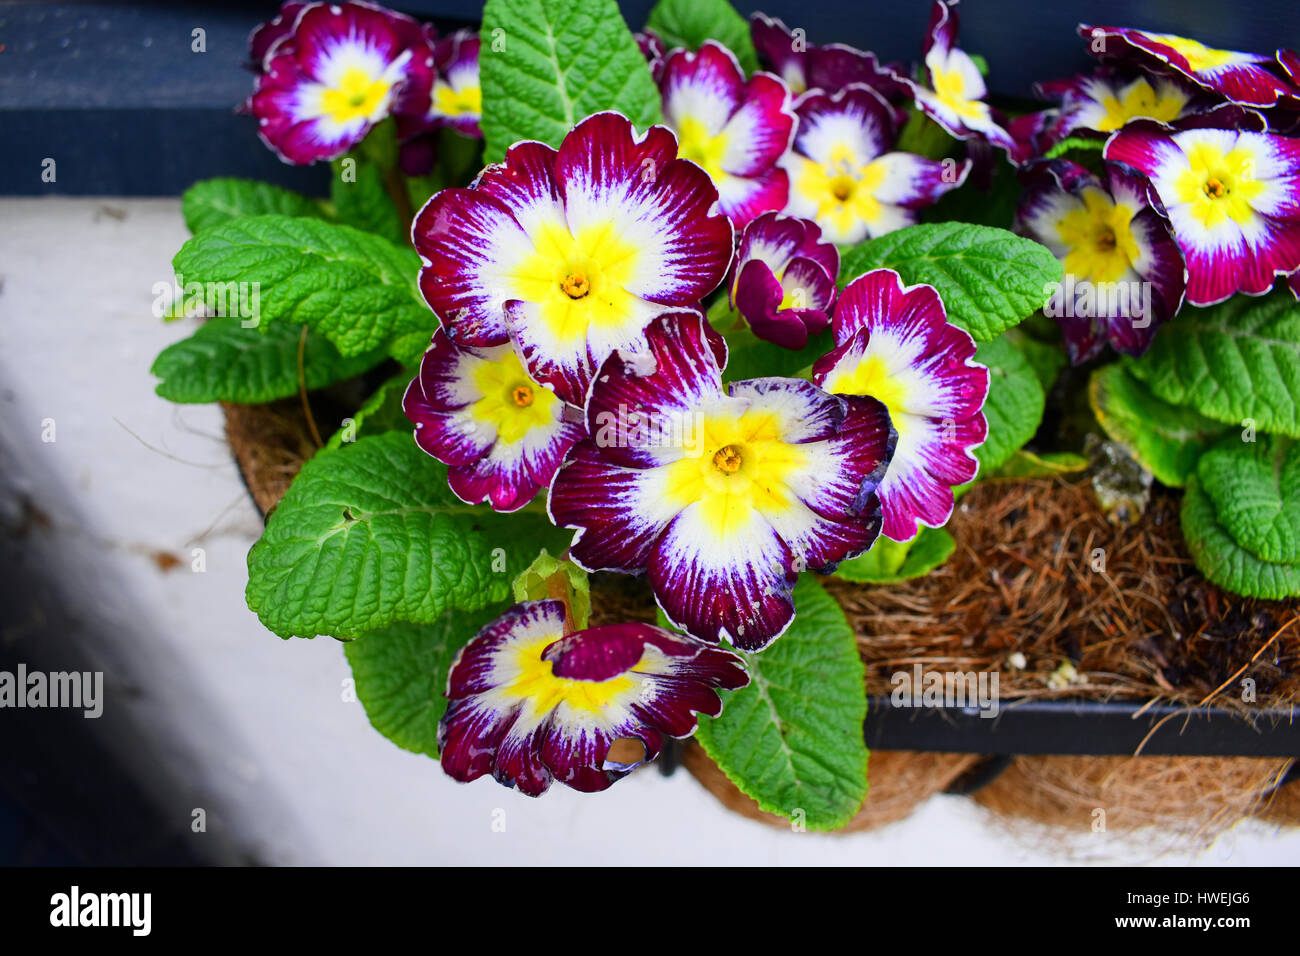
{"type": "Point", "coordinates": [696, 143]}
{"type": "Point", "coordinates": [534, 680]}
{"type": "Point", "coordinates": [873, 376]}
{"type": "Point", "coordinates": [1140, 99]}
{"type": "Point", "coordinates": [358, 96]}
{"type": "Point", "coordinates": [1218, 185]}
{"type": "Point", "coordinates": [449, 101]}
{"type": "Point", "coordinates": [742, 466]}
{"type": "Point", "coordinates": [728, 460]}
{"type": "Point", "coordinates": [1099, 237]}
{"type": "Point", "coordinates": [842, 187]}
{"type": "Point", "coordinates": [575, 285]}
{"type": "Point", "coordinates": [511, 402]}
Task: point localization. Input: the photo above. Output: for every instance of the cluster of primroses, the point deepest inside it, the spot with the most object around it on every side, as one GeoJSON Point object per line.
{"type": "Point", "coordinates": [575, 359]}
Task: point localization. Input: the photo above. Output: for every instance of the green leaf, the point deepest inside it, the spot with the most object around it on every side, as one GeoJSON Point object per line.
{"type": "Point", "coordinates": [1014, 408]}
{"type": "Point", "coordinates": [560, 61]}
{"type": "Point", "coordinates": [1025, 464]}
{"type": "Point", "coordinates": [688, 23]}
{"type": "Point", "coordinates": [1232, 362]}
{"type": "Point", "coordinates": [889, 561]}
{"type": "Point", "coordinates": [792, 739]}
{"type": "Point", "coordinates": [381, 412]}
{"type": "Point", "coordinates": [1227, 563]}
{"type": "Point", "coordinates": [224, 362]}
{"type": "Point", "coordinates": [1255, 488]}
{"type": "Point", "coordinates": [989, 279]}
{"type": "Point", "coordinates": [1165, 439]}
{"type": "Point", "coordinates": [1075, 143]}
{"type": "Point", "coordinates": [355, 288]}
{"type": "Point", "coordinates": [364, 202]}
{"type": "Point", "coordinates": [211, 202]}
{"type": "Point", "coordinates": [1045, 358]}
{"type": "Point", "coordinates": [369, 534]}
{"type": "Point", "coordinates": [748, 356]}
{"type": "Point", "coordinates": [401, 675]}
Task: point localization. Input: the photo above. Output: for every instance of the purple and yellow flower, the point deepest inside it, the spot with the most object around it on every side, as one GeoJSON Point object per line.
{"type": "Point", "coordinates": [570, 253]}
{"type": "Point", "coordinates": [1125, 275]}
{"type": "Point", "coordinates": [530, 704]}
{"type": "Point", "coordinates": [332, 79]}
{"type": "Point", "coordinates": [1105, 101]}
{"type": "Point", "coordinates": [955, 97]}
{"type": "Point", "coordinates": [784, 279]}
{"type": "Point", "coordinates": [896, 344]}
{"type": "Point", "coordinates": [444, 91]}
{"type": "Point", "coordinates": [804, 66]}
{"type": "Point", "coordinates": [845, 179]}
{"type": "Point", "coordinates": [500, 434]}
{"type": "Point", "coordinates": [1232, 196]}
{"type": "Point", "coordinates": [720, 494]}
{"type": "Point", "coordinates": [735, 129]}
{"type": "Point", "coordinates": [1246, 79]}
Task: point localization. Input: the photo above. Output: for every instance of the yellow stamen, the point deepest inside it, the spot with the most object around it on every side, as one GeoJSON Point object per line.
{"type": "Point", "coordinates": [575, 285]}
{"type": "Point", "coordinates": [728, 460]}
{"type": "Point", "coordinates": [1215, 189]}
{"type": "Point", "coordinates": [842, 188]}
{"type": "Point", "coordinates": [522, 395]}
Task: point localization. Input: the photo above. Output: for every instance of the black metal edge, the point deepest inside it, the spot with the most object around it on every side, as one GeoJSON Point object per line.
{"type": "Point", "coordinates": [1086, 728]}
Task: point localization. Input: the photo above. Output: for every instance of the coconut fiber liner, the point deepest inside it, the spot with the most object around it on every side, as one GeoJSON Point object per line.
{"type": "Point", "coordinates": [1038, 571]}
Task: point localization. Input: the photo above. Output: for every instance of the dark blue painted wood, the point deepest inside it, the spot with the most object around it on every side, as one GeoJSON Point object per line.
{"type": "Point", "coordinates": [116, 95]}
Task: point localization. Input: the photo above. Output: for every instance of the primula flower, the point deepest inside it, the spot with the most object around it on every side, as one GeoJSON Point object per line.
{"type": "Point", "coordinates": [843, 177]}
{"type": "Point", "coordinates": [530, 704]}
{"type": "Point", "coordinates": [332, 79]}
{"type": "Point", "coordinates": [1104, 101]}
{"type": "Point", "coordinates": [955, 97]}
{"type": "Point", "coordinates": [805, 66]}
{"type": "Point", "coordinates": [1124, 274]}
{"type": "Point", "coordinates": [736, 129]}
{"type": "Point", "coordinates": [1243, 78]}
{"type": "Point", "coordinates": [444, 91]}
{"type": "Point", "coordinates": [571, 252]}
{"type": "Point", "coordinates": [896, 344]}
{"type": "Point", "coordinates": [1233, 198]}
{"type": "Point", "coordinates": [784, 279]}
{"type": "Point", "coordinates": [720, 494]}
{"type": "Point", "coordinates": [501, 435]}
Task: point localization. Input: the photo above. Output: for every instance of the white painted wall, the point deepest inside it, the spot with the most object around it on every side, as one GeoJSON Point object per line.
{"type": "Point", "coordinates": [258, 725]}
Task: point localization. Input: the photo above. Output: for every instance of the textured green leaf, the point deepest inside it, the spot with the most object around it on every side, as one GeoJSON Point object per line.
{"type": "Point", "coordinates": [362, 201]}
{"type": "Point", "coordinates": [792, 739]}
{"type": "Point", "coordinates": [224, 362]}
{"type": "Point", "coordinates": [989, 279]}
{"type": "Point", "coordinates": [1231, 362]}
{"type": "Point", "coordinates": [1014, 408]}
{"type": "Point", "coordinates": [1165, 439]}
{"type": "Point", "coordinates": [557, 62]}
{"type": "Point", "coordinates": [1255, 488]}
{"type": "Point", "coordinates": [381, 412]}
{"type": "Point", "coordinates": [1227, 563]}
{"type": "Point", "coordinates": [355, 288]}
{"type": "Point", "coordinates": [401, 674]}
{"type": "Point", "coordinates": [370, 534]}
{"type": "Point", "coordinates": [212, 202]}
{"type": "Point", "coordinates": [890, 561]}
{"type": "Point", "coordinates": [688, 23]}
